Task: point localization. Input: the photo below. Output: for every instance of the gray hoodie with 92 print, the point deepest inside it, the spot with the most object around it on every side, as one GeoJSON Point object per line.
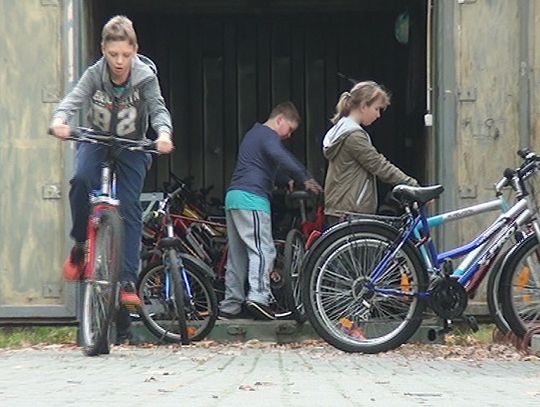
{"type": "Point", "coordinates": [125, 115]}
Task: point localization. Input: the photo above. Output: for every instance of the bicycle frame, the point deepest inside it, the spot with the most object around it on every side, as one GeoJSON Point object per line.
{"type": "Point", "coordinates": [480, 251]}
{"type": "Point", "coordinates": [99, 200]}
{"type": "Point", "coordinates": [438, 220]}
{"type": "Point", "coordinates": [170, 234]}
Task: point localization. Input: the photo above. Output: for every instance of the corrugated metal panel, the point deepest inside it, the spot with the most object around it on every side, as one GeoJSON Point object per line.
{"type": "Point", "coordinates": [488, 100]}
{"type": "Point", "coordinates": [32, 176]}
{"type": "Point", "coordinates": [489, 40]}
{"type": "Point", "coordinates": [220, 74]}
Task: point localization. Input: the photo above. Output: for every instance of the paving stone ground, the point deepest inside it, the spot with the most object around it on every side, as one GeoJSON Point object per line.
{"type": "Point", "coordinates": [244, 375]}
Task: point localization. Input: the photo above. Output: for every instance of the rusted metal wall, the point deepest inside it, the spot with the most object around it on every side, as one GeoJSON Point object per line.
{"type": "Point", "coordinates": [32, 243]}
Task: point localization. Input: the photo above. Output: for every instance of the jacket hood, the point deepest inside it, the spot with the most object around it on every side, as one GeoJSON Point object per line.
{"type": "Point", "coordinates": [337, 134]}
{"type": "Point", "coordinates": [142, 68]}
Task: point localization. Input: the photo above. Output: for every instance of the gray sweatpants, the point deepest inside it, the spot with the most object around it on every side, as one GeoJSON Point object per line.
{"type": "Point", "coordinates": [250, 259]}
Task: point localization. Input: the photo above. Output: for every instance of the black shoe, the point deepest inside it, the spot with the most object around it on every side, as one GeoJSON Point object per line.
{"type": "Point", "coordinates": [227, 316]}
{"type": "Point", "coordinates": [260, 311]}
{"type": "Point", "coordinates": [123, 327]}
{"type": "Point", "coordinates": [123, 339]}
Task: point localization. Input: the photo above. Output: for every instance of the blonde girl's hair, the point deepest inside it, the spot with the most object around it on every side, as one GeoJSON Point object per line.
{"type": "Point", "coordinates": [119, 28]}
{"type": "Point", "coordinates": [367, 92]}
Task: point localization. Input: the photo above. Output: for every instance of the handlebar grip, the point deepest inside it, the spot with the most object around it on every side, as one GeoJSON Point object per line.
{"type": "Point", "coordinates": [176, 191]}
{"type": "Point", "coordinates": [509, 173]}
{"type": "Point", "coordinates": [523, 152]}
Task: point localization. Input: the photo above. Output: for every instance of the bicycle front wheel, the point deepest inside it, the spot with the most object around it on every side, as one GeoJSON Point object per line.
{"type": "Point", "coordinates": [159, 315]}
{"type": "Point", "coordinates": [101, 283]}
{"type": "Point", "coordinates": [520, 287]}
{"type": "Point", "coordinates": [293, 257]}
{"type": "Point", "coordinates": [493, 295]}
{"type": "Point", "coordinates": [349, 309]}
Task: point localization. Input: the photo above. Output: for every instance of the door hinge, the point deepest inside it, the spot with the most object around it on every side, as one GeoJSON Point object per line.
{"type": "Point", "coordinates": [51, 191]}
{"type": "Point", "coordinates": [467, 95]}
{"type": "Point", "coordinates": [467, 191]}
{"type": "Point", "coordinates": [51, 291]}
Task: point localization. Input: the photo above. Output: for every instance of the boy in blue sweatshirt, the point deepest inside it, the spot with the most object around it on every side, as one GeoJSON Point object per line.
{"type": "Point", "coordinates": [247, 204]}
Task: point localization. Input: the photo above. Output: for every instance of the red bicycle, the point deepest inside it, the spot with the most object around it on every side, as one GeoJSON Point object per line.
{"type": "Point", "coordinates": [304, 232]}
{"type": "Point", "coordinates": [104, 246]}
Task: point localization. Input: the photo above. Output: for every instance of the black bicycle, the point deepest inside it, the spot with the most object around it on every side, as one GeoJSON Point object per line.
{"type": "Point", "coordinates": [179, 302]}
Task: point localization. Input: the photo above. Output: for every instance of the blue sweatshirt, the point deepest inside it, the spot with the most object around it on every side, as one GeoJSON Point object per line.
{"type": "Point", "coordinates": [260, 156]}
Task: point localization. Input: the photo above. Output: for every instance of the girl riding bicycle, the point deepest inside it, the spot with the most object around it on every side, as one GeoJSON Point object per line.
{"type": "Point", "coordinates": [122, 91]}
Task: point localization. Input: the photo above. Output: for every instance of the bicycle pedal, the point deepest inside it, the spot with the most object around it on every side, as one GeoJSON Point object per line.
{"type": "Point", "coordinates": [132, 308]}
{"type": "Point", "coordinates": [472, 322]}
{"type": "Point", "coordinates": [447, 327]}
{"type": "Point", "coordinates": [447, 267]}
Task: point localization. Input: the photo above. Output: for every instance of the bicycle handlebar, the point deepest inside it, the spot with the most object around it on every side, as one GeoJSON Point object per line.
{"type": "Point", "coordinates": [87, 135]}
{"type": "Point", "coordinates": [526, 169]}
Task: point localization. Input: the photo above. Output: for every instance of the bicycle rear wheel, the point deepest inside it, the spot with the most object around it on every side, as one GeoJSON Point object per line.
{"type": "Point", "coordinates": [343, 304]}
{"type": "Point", "coordinates": [278, 302]}
{"type": "Point", "coordinates": [157, 312]}
{"type": "Point", "coordinates": [520, 287]}
{"type": "Point", "coordinates": [101, 286]}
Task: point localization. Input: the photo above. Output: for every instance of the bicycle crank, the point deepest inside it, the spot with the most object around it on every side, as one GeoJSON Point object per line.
{"type": "Point", "coordinates": [448, 298]}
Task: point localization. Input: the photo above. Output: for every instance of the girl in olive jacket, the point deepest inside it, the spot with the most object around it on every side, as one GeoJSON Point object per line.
{"type": "Point", "coordinates": [354, 163]}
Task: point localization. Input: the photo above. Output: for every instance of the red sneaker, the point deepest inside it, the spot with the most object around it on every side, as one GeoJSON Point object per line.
{"type": "Point", "coordinates": [74, 264]}
{"type": "Point", "coordinates": [129, 297]}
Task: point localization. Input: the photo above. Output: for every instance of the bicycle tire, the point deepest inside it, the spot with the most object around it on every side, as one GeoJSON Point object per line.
{"type": "Point", "coordinates": [293, 256]}
{"type": "Point", "coordinates": [95, 326]}
{"type": "Point", "coordinates": [493, 293]}
{"type": "Point", "coordinates": [178, 295]}
{"type": "Point", "coordinates": [200, 320]}
{"type": "Point", "coordinates": [278, 303]}
{"type": "Point", "coordinates": [350, 333]}
{"type": "Point", "coordinates": [519, 283]}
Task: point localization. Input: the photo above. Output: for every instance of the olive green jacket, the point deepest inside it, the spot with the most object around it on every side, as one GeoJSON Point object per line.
{"type": "Point", "coordinates": [354, 164]}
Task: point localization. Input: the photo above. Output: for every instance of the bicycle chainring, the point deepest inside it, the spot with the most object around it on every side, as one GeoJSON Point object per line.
{"type": "Point", "coordinates": [448, 298]}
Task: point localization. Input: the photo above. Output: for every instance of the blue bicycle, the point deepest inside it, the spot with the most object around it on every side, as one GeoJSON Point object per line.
{"type": "Point", "coordinates": [366, 284]}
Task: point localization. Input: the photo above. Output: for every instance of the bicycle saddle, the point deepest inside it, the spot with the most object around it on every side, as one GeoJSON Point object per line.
{"type": "Point", "coordinates": [421, 195]}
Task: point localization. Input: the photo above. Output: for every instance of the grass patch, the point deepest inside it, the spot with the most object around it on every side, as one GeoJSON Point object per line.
{"type": "Point", "coordinates": [20, 337]}
{"type": "Point", "coordinates": [462, 335]}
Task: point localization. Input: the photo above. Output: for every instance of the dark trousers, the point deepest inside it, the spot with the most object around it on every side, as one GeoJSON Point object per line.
{"type": "Point", "coordinates": [131, 170]}
{"type": "Point", "coordinates": [332, 220]}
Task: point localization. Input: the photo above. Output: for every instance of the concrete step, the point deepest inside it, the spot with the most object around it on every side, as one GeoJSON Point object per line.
{"type": "Point", "coordinates": [280, 331]}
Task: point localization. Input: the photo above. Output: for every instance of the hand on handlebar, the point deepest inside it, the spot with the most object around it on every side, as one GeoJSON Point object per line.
{"type": "Point", "coordinates": [164, 144]}
{"type": "Point", "coordinates": [313, 186]}
{"type": "Point", "coordinates": [60, 130]}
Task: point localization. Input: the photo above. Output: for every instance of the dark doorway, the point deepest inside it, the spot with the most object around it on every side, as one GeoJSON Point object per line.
{"type": "Point", "coordinates": [222, 68]}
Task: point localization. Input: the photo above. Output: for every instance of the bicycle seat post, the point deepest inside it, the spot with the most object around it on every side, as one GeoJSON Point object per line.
{"type": "Point", "coordinates": [106, 174]}
{"type": "Point", "coordinates": [302, 205]}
